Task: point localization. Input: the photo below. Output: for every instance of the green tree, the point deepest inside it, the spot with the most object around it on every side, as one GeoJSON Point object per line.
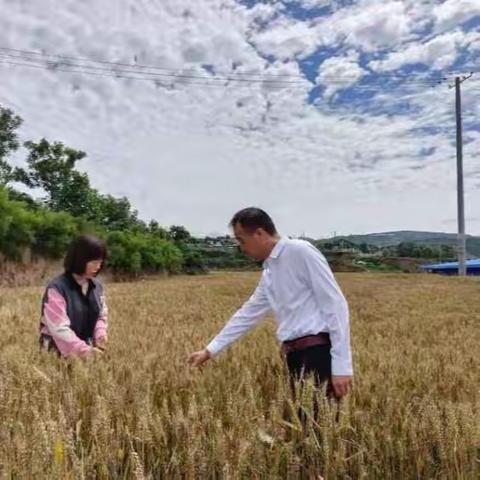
{"type": "Point", "coordinates": [426, 251]}
{"type": "Point", "coordinates": [178, 233]}
{"type": "Point", "coordinates": [406, 249]}
{"type": "Point", "coordinates": [364, 247]}
{"type": "Point", "coordinates": [113, 213]}
{"type": "Point", "coordinates": [133, 252]}
{"type": "Point", "coordinates": [155, 229]}
{"type": "Point", "coordinates": [447, 252]}
{"type": "Point", "coordinates": [9, 123]}
{"type": "Point", "coordinates": [29, 202]}
{"type": "Point", "coordinates": [193, 260]}
{"type": "Point", "coordinates": [53, 233]}
{"type": "Point", "coordinates": [17, 227]}
{"type": "Point", "coordinates": [51, 167]}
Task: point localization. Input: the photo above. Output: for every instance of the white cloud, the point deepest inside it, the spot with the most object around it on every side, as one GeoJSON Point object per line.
{"type": "Point", "coordinates": [287, 39]}
{"type": "Point", "coordinates": [262, 12]}
{"type": "Point", "coordinates": [371, 25]}
{"type": "Point", "coordinates": [452, 13]}
{"type": "Point", "coordinates": [194, 154]}
{"type": "Point", "coordinates": [439, 52]}
{"type": "Point", "coordinates": [337, 73]}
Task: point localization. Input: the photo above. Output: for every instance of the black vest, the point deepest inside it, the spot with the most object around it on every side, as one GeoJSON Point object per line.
{"type": "Point", "coordinates": [82, 310]}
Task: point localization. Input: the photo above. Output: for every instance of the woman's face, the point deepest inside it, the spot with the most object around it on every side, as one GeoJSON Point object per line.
{"type": "Point", "coordinates": [93, 267]}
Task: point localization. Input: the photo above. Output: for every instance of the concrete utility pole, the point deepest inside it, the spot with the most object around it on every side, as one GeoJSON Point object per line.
{"type": "Point", "coordinates": [462, 243]}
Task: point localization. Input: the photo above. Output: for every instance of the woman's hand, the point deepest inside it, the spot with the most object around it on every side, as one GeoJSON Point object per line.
{"type": "Point", "coordinates": [100, 343]}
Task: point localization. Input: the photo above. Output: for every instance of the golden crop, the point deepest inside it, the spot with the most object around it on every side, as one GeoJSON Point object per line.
{"type": "Point", "coordinates": [141, 413]}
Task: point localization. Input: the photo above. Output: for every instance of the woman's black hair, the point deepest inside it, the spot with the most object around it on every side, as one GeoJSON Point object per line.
{"type": "Point", "coordinates": [82, 250]}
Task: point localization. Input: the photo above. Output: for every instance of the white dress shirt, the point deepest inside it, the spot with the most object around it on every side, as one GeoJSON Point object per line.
{"type": "Point", "coordinates": [298, 285]}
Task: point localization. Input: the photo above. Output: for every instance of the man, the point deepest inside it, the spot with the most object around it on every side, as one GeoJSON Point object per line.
{"type": "Point", "coordinates": [310, 310]}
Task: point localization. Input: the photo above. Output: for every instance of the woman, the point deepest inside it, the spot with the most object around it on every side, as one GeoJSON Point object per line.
{"type": "Point", "coordinates": [74, 312]}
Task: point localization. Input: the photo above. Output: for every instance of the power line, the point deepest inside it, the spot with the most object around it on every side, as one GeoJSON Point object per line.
{"type": "Point", "coordinates": [23, 58]}
{"type": "Point", "coordinates": [243, 76]}
{"type": "Point", "coordinates": [140, 66]}
{"type": "Point", "coordinates": [54, 65]}
{"type": "Point", "coordinates": [118, 75]}
{"type": "Point", "coordinates": [156, 67]}
{"type": "Point", "coordinates": [161, 79]}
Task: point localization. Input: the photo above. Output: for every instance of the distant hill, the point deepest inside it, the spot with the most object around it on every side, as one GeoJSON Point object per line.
{"type": "Point", "coordinates": [385, 239]}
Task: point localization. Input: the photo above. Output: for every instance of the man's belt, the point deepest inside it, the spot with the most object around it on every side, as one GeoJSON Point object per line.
{"type": "Point", "coordinates": [302, 343]}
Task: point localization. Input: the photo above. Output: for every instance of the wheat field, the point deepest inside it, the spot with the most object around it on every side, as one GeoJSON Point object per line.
{"type": "Point", "coordinates": [141, 413]}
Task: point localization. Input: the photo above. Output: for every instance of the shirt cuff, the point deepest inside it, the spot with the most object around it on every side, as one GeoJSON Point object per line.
{"type": "Point", "coordinates": [342, 367]}
{"type": "Point", "coordinates": [85, 352]}
{"type": "Point", "coordinates": [214, 348]}
{"type": "Point", "coordinates": [100, 334]}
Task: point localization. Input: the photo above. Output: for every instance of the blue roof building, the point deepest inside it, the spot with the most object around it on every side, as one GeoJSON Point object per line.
{"type": "Point", "coordinates": [451, 268]}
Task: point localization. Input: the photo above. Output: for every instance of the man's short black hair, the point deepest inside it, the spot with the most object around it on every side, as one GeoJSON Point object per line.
{"type": "Point", "coordinates": [252, 218]}
{"type": "Point", "coordinates": [82, 250]}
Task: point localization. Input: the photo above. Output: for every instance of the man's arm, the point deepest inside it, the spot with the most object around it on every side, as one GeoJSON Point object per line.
{"type": "Point", "coordinates": [249, 315]}
{"type": "Point", "coordinates": [333, 306]}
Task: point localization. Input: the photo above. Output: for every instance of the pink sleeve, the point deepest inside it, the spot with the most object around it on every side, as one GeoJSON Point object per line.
{"type": "Point", "coordinates": [58, 326]}
{"type": "Point", "coordinates": [100, 332]}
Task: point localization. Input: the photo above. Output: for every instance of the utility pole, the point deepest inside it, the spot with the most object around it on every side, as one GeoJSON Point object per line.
{"type": "Point", "coordinates": [462, 243]}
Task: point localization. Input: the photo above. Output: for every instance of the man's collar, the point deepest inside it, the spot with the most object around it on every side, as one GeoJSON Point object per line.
{"type": "Point", "coordinates": [277, 249]}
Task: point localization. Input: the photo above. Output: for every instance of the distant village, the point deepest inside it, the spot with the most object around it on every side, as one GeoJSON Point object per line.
{"type": "Point", "coordinates": [342, 254]}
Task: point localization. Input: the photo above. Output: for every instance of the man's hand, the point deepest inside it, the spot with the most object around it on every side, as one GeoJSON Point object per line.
{"type": "Point", "coordinates": [342, 384]}
{"type": "Point", "coordinates": [198, 358]}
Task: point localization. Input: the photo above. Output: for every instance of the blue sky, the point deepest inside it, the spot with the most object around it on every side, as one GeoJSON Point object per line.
{"type": "Point", "coordinates": [310, 11]}
{"type": "Point", "coordinates": [363, 141]}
